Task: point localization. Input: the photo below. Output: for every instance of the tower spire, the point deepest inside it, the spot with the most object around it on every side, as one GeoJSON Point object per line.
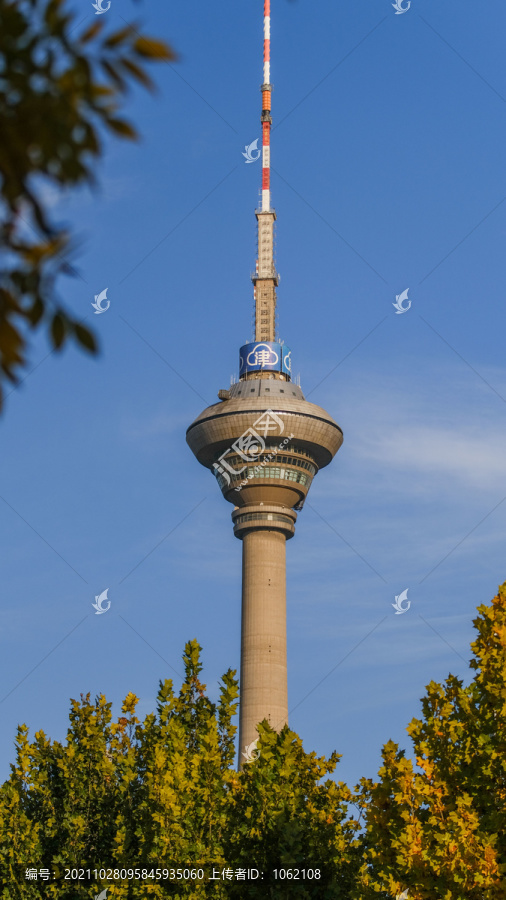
{"type": "Point", "coordinates": [266, 111]}
{"type": "Point", "coordinates": [266, 278]}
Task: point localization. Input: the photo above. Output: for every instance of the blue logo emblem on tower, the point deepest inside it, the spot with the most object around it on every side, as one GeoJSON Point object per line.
{"type": "Point", "coordinates": [263, 355]}
{"type": "Point", "coordinates": [266, 355]}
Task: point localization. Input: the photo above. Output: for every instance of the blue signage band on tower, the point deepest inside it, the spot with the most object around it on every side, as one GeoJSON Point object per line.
{"type": "Point", "coordinates": [265, 356]}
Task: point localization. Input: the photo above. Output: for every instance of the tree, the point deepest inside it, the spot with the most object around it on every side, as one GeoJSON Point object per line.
{"type": "Point", "coordinates": [164, 794]}
{"type": "Point", "coordinates": [58, 91]}
{"type": "Point", "coordinates": [439, 830]}
{"type": "Point", "coordinates": [282, 817]}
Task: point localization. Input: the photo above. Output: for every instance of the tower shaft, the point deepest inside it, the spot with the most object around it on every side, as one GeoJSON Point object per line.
{"type": "Point", "coordinates": [264, 529]}
{"type": "Point", "coordinates": [264, 688]}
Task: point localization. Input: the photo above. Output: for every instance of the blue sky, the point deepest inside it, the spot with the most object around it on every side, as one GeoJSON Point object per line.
{"type": "Point", "coordinates": [388, 173]}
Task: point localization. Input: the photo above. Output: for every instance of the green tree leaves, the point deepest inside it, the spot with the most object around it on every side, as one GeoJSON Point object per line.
{"type": "Point", "coordinates": [163, 792]}
{"type": "Point", "coordinates": [60, 91]}
{"type": "Point", "coordinates": [280, 815]}
{"type": "Point", "coordinates": [439, 827]}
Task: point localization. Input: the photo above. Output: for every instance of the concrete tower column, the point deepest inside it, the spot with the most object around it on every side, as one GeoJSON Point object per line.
{"type": "Point", "coordinates": [263, 530]}
{"type": "Point", "coordinates": [263, 684]}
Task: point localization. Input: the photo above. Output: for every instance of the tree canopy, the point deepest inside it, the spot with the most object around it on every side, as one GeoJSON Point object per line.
{"type": "Point", "coordinates": [61, 90]}
{"type": "Point", "coordinates": [438, 828]}
{"type": "Point", "coordinates": [163, 793]}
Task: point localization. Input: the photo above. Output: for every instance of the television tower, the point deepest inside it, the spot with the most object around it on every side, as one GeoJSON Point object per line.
{"type": "Point", "coordinates": [264, 443]}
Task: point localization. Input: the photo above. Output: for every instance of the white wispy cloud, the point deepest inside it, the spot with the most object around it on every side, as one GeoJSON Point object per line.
{"type": "Point", "coordinates": [433, 434]}
{"type": "Point", "coordinates": [478, 461]}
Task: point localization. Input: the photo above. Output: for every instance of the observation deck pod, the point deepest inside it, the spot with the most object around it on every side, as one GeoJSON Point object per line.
{"type": "Point", "coordinates": [264, 442]}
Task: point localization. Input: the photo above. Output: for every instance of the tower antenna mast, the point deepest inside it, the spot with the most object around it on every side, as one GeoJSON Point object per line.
{"type": "Point", "coordinates": [265, 443]}
{"type": "Point", "coordinates": [266, 111]}
{"type": "Point", "coordinates": [266, 279]}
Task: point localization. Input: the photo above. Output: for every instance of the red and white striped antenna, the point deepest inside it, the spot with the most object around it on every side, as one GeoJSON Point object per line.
{"type": "Point", "coordinates": [265, 278]}
{"type": "Point", "coordinates": [266, 111]}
